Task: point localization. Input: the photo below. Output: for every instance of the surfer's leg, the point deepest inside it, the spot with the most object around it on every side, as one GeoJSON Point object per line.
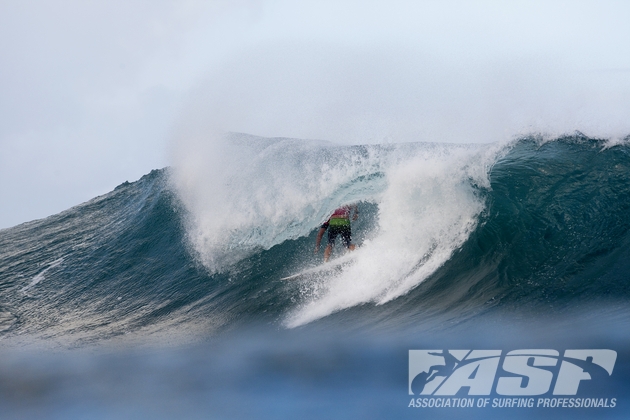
{"type": "Point", "coordinates": [333, 231]}
{"type": "Point", "coordinates": [346, 236]}
{"type": "Point", "coordinates": [327, 252]}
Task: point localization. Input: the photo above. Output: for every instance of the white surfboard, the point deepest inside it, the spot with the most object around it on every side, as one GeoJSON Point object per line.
{"type": "Point", "coordinates": [335, 265]}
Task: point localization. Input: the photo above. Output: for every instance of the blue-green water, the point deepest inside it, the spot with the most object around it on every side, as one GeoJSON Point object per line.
{"type": "Point", "coordinates": [163, 298]}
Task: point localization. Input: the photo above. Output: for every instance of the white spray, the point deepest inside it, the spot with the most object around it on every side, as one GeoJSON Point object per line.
{"type": "Point", "coordinates": [245, 193]}
{"type": "Point", "coordinates": [428, 209]}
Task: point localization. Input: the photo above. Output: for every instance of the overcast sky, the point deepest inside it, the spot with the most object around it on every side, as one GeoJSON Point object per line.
{"type": "Point", "coordinates": [94, 93]}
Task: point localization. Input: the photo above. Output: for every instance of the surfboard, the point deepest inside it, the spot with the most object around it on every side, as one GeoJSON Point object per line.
{"type": "Point", "coordinates": [294, 276]}
{"type": "Point", "coordinates": [326, 268]}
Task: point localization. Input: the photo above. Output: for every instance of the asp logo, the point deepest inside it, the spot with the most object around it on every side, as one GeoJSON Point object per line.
{"type": "Point", "coordinates": [528, 372]}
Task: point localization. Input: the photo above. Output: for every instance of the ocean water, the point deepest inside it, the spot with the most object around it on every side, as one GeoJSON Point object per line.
{"type": "Point", "coordinates": [164, 297]}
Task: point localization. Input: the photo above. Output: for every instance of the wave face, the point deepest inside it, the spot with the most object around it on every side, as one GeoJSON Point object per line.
{"type": "Point", "coordinates": [112, 265]}
{"type": "Point", "coordinates": [444, 231]}
{"type": "Point", "coordinates": [556, 225]}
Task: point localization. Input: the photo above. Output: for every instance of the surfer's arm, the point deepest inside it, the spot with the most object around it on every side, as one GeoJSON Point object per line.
{"type": "Point", "coordinates": [318, 242]}
{"type": "Point", "coordinates": [356, 213]}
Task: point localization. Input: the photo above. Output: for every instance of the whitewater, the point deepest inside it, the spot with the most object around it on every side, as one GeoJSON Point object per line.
{"type": "Point", "coordinates": [420, 202]}
{"type": "Point", "coordinates": [523, 243]}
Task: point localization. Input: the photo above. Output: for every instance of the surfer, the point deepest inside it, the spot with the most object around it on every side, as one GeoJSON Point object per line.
{"type": "Point", "coordinates": [337, 224]}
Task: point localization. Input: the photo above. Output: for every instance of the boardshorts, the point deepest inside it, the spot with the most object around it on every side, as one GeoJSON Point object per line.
{"type": "Point", "coordinates": [338, 227]}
